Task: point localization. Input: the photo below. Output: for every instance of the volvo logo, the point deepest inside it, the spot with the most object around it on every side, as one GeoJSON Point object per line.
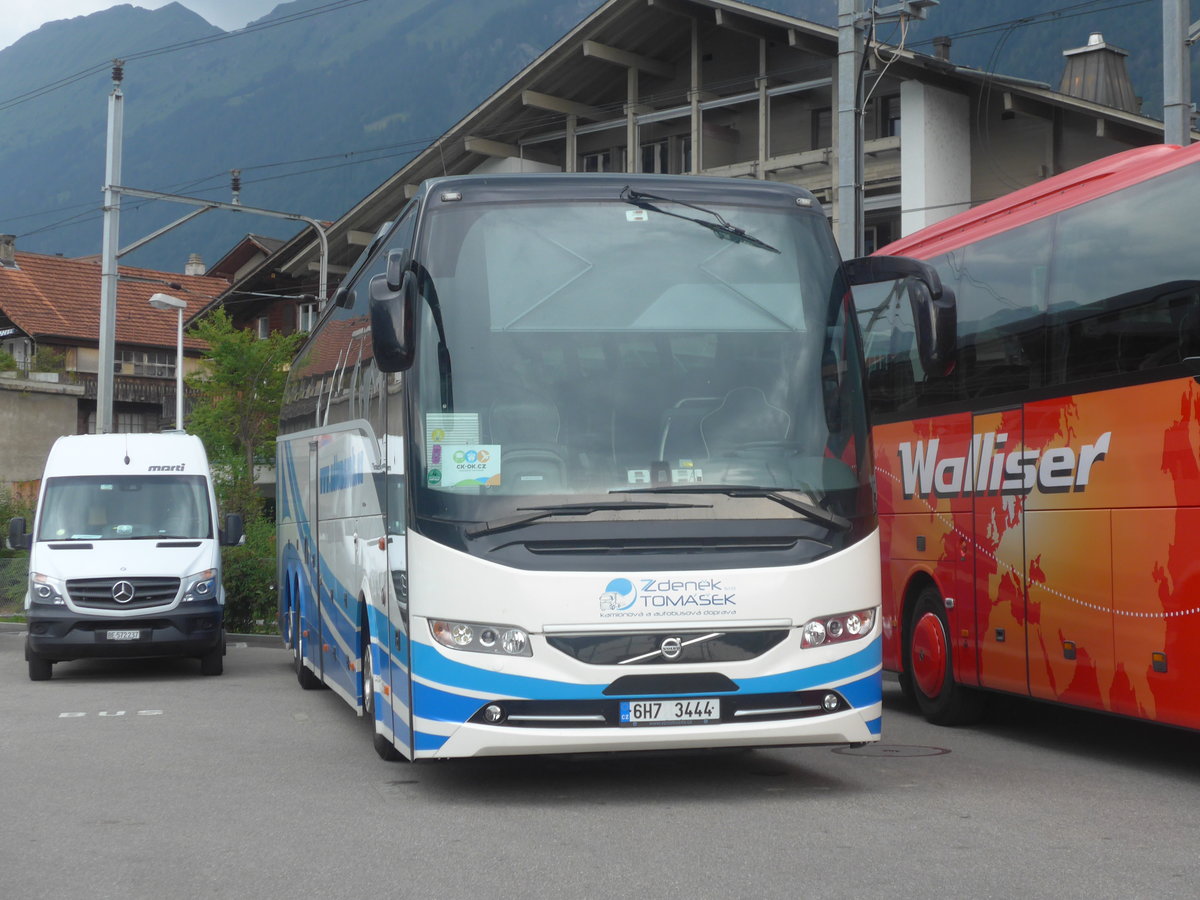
{"type": "Point", "coordinates": [671, 648]}
{"type": "Point", "coordinates": [122, 592]}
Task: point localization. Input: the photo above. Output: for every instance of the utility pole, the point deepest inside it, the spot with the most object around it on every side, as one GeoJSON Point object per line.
{"type": "Point", "coordinates": [849, 128]}
{"type": "Point", "coordinates": [853, 19]}
{"type": "Point", "coordinates": [108, 260]}
{"type": "Point", "coordinates": [1177, 72]}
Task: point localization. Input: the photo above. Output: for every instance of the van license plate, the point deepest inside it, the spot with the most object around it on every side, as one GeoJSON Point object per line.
{"type": "Point", "coordinates": [670, 712]}
{"type": "Point", "coordinates": [124, 635]}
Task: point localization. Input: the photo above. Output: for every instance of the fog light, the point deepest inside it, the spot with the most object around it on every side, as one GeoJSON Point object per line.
{"type": "Point", "coordinates": [513, 641]}
{"type": "Point", "coordinates": [814, 634]}
{"type": "Point", "coordinates": [831, 702]}
{"type": "Point", "coordinates": [493, 713]}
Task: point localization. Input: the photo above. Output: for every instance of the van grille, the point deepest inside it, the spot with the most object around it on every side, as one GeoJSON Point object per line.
{"type": "Point", "coordinates": [100, 593]}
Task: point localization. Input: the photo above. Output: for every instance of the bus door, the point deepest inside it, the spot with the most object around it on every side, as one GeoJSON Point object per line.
{"type": "Point", "coordinates": [1069, 546]}
{"type": "Point", "coordinates": [998, 522]}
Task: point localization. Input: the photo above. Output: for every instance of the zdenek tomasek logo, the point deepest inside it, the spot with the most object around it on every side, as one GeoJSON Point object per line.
{"type": "Point", "coordinates": [619, 595]}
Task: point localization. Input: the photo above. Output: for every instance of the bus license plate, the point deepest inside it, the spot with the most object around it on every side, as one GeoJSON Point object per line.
{"type": "Point", "coordinates": [124, 635]}
{"type": "Point", "coordinates": [670, 712]}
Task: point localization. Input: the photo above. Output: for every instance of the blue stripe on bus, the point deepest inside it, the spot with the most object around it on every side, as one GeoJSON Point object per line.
{"type": "Point", "coordinates": [444, 704]}
{"type": "Point", "coordinates": [426, 741]}
{"type": "Point", "coordinates": [875, 726]}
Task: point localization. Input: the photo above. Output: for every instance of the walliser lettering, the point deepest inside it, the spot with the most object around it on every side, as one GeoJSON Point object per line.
{"type": "Point", "coordinates": [988, 469]}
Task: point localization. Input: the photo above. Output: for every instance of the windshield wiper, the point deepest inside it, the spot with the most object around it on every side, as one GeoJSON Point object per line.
{"type": "Point", "coordinates": [722, 228]}
{"type": "Point", "coordinates": [804, 507]}
{"type": "Point", "coordinates": [571, 509]}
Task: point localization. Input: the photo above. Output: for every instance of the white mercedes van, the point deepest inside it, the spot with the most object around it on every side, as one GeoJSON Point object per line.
{"type": "Point", "coordinates": [125, 555]}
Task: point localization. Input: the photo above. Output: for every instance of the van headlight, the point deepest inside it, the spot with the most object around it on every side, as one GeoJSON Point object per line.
{"type": "Point", "coordinates": [201, 586]}
{"type": "Point", "coordinates": [504, 640]}
{"type": "Point", "coordinates": [46, 591]}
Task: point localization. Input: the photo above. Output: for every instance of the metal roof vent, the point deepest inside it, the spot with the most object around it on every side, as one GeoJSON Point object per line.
{"type": "Point", "coordinates": [1096, 73]}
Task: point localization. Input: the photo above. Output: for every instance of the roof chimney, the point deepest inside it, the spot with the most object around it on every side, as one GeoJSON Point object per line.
{"type": "Point", "coordinates": [8, 251]}
{"type": "Point", "coordinates": [195, 265]}
{"type": "Point", "coordinates": [1096, 72]}
{"type": "Point", "coordinates": [941, 47]}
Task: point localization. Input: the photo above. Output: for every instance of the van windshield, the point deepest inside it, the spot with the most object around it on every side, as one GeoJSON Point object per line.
{"type": "Point", "coordinates": [125, 507]}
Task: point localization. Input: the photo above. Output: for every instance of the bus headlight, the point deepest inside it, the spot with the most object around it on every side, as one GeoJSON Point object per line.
{"type": "Point", "coordinates": [201, 586]}
{"type": "Point", "coordinates": [45, 591]}
{"type": "Point", "coordinates": [504, 640]}
{"type": "Point", "coordinates": [837, 629]}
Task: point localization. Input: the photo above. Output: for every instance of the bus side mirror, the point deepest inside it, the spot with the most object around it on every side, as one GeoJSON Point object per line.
{"type": "Point", "coordinates": [17, 538]}
{"type": "Point", "coordinates": [936, 324]}
{"type": "Point", "coordinates": [392, 321]}
{"type": "Point", "coordinates": [231, 536]}
{"type": "Point", "coordinates": [397, 262]}
{"type": "Point", "coordinates": [874, 269]}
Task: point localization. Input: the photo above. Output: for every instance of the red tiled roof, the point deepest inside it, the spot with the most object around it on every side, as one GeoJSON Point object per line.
{"type": "Point", "coordinates": [55, 297]}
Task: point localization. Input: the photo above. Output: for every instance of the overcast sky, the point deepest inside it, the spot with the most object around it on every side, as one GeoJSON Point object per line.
{"type": "Point", "coordinates": [23, 16]}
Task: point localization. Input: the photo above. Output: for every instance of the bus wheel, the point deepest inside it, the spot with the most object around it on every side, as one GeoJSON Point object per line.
{"type": "Point", "coordinates": [384, 748]}
{"type": "Point", "coordinates": [307, 678]}
{"type": "Point", "coordinates": [941, 699]}
{"type": "Point", "coordinates": [40, 668]}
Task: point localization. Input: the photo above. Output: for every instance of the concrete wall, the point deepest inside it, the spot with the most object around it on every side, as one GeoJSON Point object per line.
{"type": "Point", "coordinates": [935, 158]}
{"type": "Point", "coordinates": [32, 415]}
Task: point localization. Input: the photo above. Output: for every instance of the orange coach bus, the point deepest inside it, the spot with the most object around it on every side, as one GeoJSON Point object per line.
{"type": "Point", "coordinates": [1040, 505]}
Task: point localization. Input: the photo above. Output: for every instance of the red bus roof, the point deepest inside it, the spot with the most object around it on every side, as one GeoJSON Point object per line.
{"type": "Point", "coordinates": [1087, 182]}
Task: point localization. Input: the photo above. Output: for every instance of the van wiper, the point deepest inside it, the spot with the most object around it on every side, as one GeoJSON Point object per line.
{"type": "Point", "coordinates": [571, 509]}
{"type": "Point", "coordinates": [785, 498]}
{"type": "Point", "coordinates": [722, 228]}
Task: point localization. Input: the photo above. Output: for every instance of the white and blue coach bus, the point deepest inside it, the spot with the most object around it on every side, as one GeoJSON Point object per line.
{"type": "Point", "coordinates": [581, 462]}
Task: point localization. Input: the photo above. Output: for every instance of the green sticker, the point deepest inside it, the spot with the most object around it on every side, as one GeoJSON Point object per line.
{"type": "Point", "coordinates": [435, 476]}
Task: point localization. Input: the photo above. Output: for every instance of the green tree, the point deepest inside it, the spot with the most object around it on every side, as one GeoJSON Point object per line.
{"type": "Point", "coordinates": [236, 414]}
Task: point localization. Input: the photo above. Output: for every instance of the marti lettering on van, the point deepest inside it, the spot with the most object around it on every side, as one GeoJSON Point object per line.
{"type": "Point", "coordinates": [988, 469]}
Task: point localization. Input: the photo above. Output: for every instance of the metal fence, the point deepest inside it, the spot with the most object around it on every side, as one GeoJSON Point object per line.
{"type": "Point", "coordinates": [13, 574]}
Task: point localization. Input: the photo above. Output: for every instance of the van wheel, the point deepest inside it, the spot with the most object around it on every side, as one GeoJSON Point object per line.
{"type": "Point", "coordinates": [941, 699]}
{"type": "Point", "coordinates": [307, 678]}
{"type": "Point", "coordinates": [213, 662]}
{"type": "Point", "coordinates": [40, 668]}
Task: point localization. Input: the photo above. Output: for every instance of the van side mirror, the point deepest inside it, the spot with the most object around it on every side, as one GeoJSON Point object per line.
{"type": "Point", "coordinates": [392, 321]}
{"type": "Point", "coordinates": [17, 538]}
{"type": "Point", "coordinates": [231, 535]}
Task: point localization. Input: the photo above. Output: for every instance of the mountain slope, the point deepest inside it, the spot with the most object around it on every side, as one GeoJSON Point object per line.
{"type": "Point", "coordinates": [351, 94]}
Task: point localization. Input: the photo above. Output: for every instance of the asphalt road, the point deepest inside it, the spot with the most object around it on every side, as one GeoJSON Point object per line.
{"type": "Point", "coordinates": [145, 779]}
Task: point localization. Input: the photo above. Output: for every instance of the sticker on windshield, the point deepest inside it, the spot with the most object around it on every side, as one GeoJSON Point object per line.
{"type": "Point", "coordinates": [637, 215]}
{"type": "Point", "coordinates": [463, 465]}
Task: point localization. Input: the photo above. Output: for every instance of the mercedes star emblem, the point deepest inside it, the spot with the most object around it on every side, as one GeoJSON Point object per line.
{"type": "Point", "coordinates": [122, 592]}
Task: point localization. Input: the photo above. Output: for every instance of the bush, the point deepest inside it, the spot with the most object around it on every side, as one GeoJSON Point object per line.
{"type": "Point", "coordinates": [8, 362]}
{"type": "Point", "coordinates": [47, 360]}
{"type": "Point", "coordinates": [248, 572]}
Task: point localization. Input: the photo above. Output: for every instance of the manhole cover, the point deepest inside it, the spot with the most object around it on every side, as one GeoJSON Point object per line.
{"type": "Point", "coordinates": [893, 750]}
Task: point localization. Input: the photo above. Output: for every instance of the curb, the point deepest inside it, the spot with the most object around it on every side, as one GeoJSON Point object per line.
{"type": "Point", "coordinates": [253, 640]}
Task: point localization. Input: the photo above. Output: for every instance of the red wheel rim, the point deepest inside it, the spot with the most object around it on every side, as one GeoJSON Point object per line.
{"type": "Point", "coordinates": [929, 654]}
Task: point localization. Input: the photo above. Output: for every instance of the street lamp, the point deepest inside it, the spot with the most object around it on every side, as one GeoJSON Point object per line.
{"type": "Point", "coordinates": [166, 301]}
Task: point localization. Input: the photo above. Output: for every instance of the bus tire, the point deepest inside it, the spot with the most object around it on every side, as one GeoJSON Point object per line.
{"type": "Point", "coordinates": [384, 748]}
{"type": "Point", "coordinates": [307, 678]}
{"type": "Point", "coordinates": [941, 699]}
{"type": "Point", "coordinates": [40, 668]}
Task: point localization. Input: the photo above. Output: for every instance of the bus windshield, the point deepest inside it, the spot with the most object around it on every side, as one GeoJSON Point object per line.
{"type": "Point", "coordinates": [575, 348]}
{"type": "Point", "coordinates": [125, 507]}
